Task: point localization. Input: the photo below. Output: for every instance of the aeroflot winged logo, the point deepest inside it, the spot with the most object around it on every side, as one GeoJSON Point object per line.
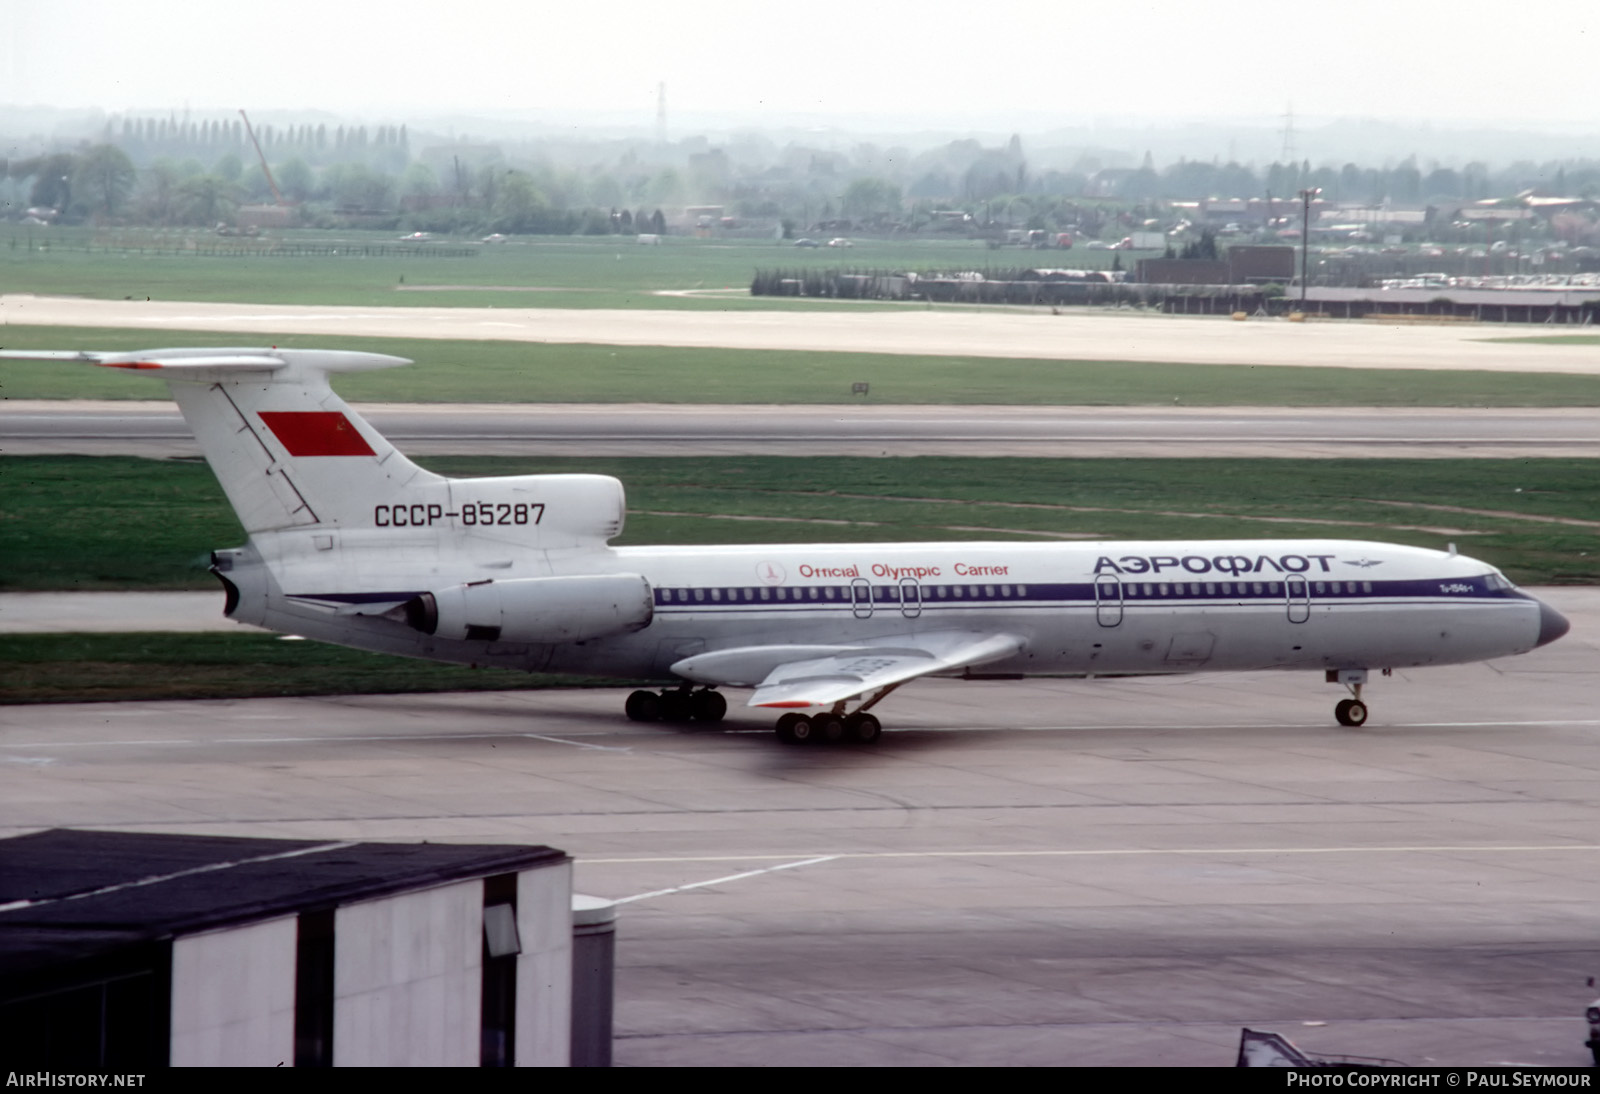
{"type": "Point", "coordinates": [316, 433]}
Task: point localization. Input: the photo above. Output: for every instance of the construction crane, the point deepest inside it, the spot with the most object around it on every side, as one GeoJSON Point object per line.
{"type": "Point", "coordinates": [265, 170]}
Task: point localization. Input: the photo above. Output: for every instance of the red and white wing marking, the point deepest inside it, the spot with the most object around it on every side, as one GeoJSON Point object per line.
{"type": "Point", "coordinates": [811, 676]}
{"type": "Point", "coordinates": [177, 361]}
{"type": "Point", "coordinates": [185, 363]}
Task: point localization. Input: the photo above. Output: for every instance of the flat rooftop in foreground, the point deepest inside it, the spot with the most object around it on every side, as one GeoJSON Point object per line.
{"type": "Point", "coordinates": [68, 895]}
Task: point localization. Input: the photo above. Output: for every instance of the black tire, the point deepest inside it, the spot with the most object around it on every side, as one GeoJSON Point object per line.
{"type": "Point", "coordinates": [676, 706]}
{"type": "Point", "coordinates": [643, 706]}
{"type": "Point", "coordinates": [863, 728]}
{"type": "Point", "coordinates": [794, 729]}
{"type": "Point", "coordinates": [708, 706]}
{"type": "Point", "coordinates": [829, 728]}
{"type": "Point", "coordinates": [1351, 712]}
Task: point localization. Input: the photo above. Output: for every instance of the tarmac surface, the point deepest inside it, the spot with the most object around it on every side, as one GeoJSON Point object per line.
{"type": "Point", "coordinates": [155, 429]}
{"type": "Point", "coordinates": [1048, 872]}
{"type": "Point", "coordinates": [1072, 335]}
{"type": "Point", "coordinates": [1044, 872]}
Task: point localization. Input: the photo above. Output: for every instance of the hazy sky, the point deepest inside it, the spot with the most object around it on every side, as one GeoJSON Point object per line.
{"type": "Point", "coordinates": [1535, 62]}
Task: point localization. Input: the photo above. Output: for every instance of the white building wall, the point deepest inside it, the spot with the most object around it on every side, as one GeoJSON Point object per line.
{"type": "Point", "coordinates": [544, 971]}
{"type": "Point", "coordinates": [408, 980]}
{"type": "Point", "coordinates": [233, 996]}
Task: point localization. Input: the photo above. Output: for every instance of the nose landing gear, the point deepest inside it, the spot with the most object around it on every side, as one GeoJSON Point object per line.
{"type": "Point", "coordinates": [1352, 711]}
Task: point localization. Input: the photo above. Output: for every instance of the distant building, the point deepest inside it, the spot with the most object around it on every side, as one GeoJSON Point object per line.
{"type": "Point", "coordinates": [266, 216]}
{"type": "Point", "coordinates": [1182, 271]}
{"type": "Point", "coordinates": [1254, 265]}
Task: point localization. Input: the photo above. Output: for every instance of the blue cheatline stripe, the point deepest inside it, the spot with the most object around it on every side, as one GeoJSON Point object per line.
{"type": "Point", "coordinates": [1130, 592]}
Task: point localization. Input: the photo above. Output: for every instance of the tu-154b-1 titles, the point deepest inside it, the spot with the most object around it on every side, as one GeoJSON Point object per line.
{"type": "Point", "coordinates": [352, 543]}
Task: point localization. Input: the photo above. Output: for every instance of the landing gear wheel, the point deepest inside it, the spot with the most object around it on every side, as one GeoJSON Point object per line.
{"type": "Point", "coordinates": [708, 706]}
{"type": "Point", "coordinates": [862, 728]}
{"type": "Point", "coordinates": [1351, 712]}
{"type": "Point", "coordinates": [794, 729]}
{"type": "Point", "coordinates": [676, 706]}
{"type": "Point", "coordinates": [643, 706]}
{"type": "Point", "coordinates": [828, 727]}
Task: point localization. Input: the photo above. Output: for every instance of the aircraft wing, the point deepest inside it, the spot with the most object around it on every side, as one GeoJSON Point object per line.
{"type": "Point", "coordinates": [807, 676]}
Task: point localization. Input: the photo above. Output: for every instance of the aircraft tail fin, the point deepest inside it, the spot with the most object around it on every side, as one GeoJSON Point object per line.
{"type": "Point", "coordinates": [288, 451]}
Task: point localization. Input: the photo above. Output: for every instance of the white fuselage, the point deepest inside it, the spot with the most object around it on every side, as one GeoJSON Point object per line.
{"type": "Point", "coordinates": [1094, 608]}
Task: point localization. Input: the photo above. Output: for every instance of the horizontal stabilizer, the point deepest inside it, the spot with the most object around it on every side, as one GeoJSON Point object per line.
{"type": "Point", "coordinates": [183, 362]}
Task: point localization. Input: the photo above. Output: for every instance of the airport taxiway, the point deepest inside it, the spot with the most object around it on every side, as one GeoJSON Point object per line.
{"type": "Point", "coordinates": [1075, 334]}
{"type": "Point", "coordinates": [155, 429]}
{"type": "Point", "coordinates": [1051, 872]}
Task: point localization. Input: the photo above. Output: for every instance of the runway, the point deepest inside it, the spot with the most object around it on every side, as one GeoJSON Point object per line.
{"type": "Point", "coordinates": [1073, 335]}
{"type": "Point", "coordinates": [1107, 872]}
{"type": "Point", "coordinates": [156, 429]}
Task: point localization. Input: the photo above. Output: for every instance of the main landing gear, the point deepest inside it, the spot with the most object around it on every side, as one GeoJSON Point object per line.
{"type": "Point", "coordinates": [677, 705]}
{"type": "Point", "coordinates": [1351, 711]}
{"type": "Point", "coordinates": [859, 728]}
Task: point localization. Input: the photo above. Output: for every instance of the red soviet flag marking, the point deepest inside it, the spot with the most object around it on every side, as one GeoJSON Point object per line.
{"type": "Point", "coordinates": [316, 433]}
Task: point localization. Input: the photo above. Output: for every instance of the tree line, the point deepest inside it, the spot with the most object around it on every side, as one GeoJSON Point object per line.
{"type": "Point", "coordinates": [162, 171]}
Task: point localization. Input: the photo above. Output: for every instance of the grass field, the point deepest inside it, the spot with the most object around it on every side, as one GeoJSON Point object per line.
{"type": "Point", "coordinates": [86, 668]}
{"type": "Point", "coordinates": [110, 523]}
{"type": "Point", "coordinates": [528, 272]}
{"type": "Point", "coordinates": [512, 372]}
{"type": "Point", "coordinates": [1553, 340]}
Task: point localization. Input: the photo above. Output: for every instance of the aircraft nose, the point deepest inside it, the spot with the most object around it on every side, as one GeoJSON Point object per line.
{"type": "Point", "coordinates": [1552, 624]}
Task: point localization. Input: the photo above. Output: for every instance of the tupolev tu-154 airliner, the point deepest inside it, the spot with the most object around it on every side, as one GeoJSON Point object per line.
{"type": "Point", "coordinates": [352, 543]}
